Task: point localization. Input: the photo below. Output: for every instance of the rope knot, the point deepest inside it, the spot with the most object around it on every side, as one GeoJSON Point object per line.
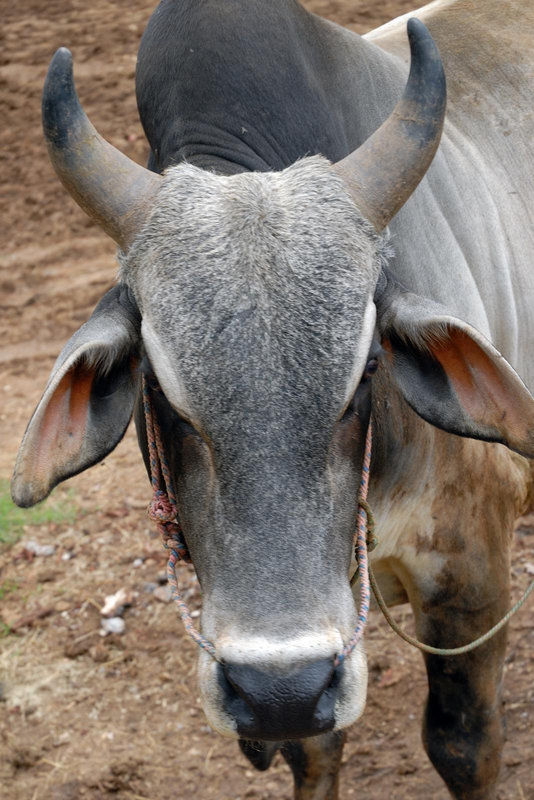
{"type": "Point", "coordinates": [161, 509]}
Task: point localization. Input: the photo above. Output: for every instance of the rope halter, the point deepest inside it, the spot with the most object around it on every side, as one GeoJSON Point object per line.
{"type": "Point", "coordinates": [163, 510]}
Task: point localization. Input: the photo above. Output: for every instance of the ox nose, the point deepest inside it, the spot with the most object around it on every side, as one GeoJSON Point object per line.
{"type": "Point", "coordinates": [273, 706]}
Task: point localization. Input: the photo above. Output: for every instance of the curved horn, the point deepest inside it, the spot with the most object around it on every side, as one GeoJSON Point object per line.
{"type": "Point", "coordinates": [110, 187]}
{"type": "Point", "coordinates": [385, 170]}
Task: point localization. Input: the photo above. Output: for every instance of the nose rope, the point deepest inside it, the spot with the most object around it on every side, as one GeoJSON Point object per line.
{"type": "Point", "coordinates": [365, 542]}
{"type": "Point", "coordinates": [163, 510]}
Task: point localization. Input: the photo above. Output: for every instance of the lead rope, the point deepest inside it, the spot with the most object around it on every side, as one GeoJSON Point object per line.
{"type": "Point", "coordinates": [441, 651]}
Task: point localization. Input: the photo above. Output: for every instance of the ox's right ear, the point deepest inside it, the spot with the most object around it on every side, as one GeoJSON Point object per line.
{"type": "Point", "coordinates": [451, 375]}
{"type": "Point", "coordinates": [87, 403]}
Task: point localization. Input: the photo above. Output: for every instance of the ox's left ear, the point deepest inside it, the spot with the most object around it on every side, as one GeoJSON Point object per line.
{"type": "Point", "coordinates": [87, 403]}
{"type": "Point", "coordinates": [452, 376]}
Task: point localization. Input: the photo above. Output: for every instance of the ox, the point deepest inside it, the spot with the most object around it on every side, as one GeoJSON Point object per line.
{"type": "Point", "coordinates": [261, 287]}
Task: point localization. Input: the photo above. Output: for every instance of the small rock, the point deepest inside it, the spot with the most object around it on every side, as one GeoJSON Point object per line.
{"type": "Point", "coordinates": [47, 576]}
{"type": "Point", "coordinates": [75, 649]}
{"type": "Point", "coordinates": [163, 593]}
{"type": "Point", "coordinates": [115, 604]}
{"type": "Point", "coordinates": [513, 761]}
{"type": "Point", "coordinates": [149, 587]}
{"type": "Point", "coordinates": [67, 555]}
{"type": "Point", "coordinates": [113, 625]}
{"type": "Point", "coordinates": [99, 653]}
{"type": "Point", "coordinates": [529, 569]}
{"type": "Point", "coordinates": [43, 550]}
{"type": "Point", "coordinates": [138, 562]}
{"type": "Point", "coordinates": [406, 769]}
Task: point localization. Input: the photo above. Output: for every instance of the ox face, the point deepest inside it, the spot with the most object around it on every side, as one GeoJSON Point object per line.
{"type": "Point", "coordinates": [250, 300]}
{"type": "Point", "coordinates": [257, 321]}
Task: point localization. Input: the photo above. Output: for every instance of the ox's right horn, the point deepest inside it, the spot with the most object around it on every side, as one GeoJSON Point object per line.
{"type": "Point", "coordinates": [110, 187]}
{"type": "Point", "coordinates": [384, 171]}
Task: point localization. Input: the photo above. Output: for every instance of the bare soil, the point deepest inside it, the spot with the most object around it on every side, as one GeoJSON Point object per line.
{"type": "Point", "coordinates": [86, 716]}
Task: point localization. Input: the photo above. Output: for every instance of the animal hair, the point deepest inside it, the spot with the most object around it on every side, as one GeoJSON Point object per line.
{"type": "Point", "coordinates": [258, 277]}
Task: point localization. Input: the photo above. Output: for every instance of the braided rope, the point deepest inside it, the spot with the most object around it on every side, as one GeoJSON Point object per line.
{"type": "Point", "coordinates": [365, 525]}
{"type": "Point", "coordinates": [163, 511]}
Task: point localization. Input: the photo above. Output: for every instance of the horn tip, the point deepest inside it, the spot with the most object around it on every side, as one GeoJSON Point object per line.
{"type": "Point", "coordinates": [426, 68]}
{"type": "Point", "coordinates": [60, 65]}
{"type": "Point", "coordinates": [415, 27]}
{"type": "Point", "coordinates": [59, 97]}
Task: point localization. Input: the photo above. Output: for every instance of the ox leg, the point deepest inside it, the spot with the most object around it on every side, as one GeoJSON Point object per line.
{"type": "Point", "coordinates": [315, 764]}
{"type": "Point", "coordinates": [463, 724]}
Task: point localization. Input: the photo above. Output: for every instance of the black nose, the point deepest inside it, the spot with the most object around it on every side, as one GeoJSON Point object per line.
{"type": "Point", "coordinates": [272, 706]}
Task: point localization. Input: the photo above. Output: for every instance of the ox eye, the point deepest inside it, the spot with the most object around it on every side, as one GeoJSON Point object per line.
{"type": "Point", "coordinates": [370, 369]}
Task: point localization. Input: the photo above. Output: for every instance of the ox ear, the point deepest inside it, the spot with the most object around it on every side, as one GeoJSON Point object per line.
{"type": "Point", "coordinates": [87, 403]}
{"type": "Point", "coordinates": [452, 376]}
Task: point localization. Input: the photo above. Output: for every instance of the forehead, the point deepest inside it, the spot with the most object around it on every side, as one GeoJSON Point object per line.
{"type": "Point", "coordinates": [254, 287]}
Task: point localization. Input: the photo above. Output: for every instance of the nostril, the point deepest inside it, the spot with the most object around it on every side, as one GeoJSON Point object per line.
{"type": "Point", "coordinates": [281, 705]}
{"type": "Point", "coordinates": [235, 704]}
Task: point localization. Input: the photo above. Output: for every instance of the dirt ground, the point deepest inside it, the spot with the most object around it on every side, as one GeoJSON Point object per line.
{"type": "Point", "coordinates": [83, 716]}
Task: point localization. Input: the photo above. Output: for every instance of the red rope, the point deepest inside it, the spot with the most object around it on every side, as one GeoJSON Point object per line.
{"type": "Point", "coordinates": [361, 553]}
{"type": "Point", "coordinates": [164, 512]}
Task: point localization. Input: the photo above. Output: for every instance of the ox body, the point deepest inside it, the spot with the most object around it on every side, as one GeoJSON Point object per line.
{"type": "Point", "coordinates": [257, 288]}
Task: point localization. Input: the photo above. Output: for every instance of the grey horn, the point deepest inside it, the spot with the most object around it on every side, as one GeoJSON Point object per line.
{"type": "Point", "coordinates": [386, 169]}
{"type": "Point", "coordinates": [109, 186]}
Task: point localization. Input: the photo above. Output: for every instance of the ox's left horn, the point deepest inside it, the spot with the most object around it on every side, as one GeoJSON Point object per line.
{"type": "Point", "coordinates": [110, 187]}
{"type": "Point", "coordinates": [385, 170]}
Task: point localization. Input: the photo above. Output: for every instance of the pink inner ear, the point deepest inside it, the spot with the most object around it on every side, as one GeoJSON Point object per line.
{"type": "Point", "coordinates": [489, 395]}
{"type": "Point", "coordinates": [61, 432]}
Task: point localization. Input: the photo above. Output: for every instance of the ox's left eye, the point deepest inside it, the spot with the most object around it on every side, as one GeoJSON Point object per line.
{"type": "Point", "coordinates": [362, 391]}
{"type": "Point", "coordinates": [370, 369]}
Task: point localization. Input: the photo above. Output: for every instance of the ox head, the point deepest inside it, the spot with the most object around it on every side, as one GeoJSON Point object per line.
{"type": "Point", "coordinates": [252, 301]}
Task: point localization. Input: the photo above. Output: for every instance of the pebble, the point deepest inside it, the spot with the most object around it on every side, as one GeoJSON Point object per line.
{"type": "Point", "coordinates": [138, 562]}
{"type": "Point", "coordinates": [113, 625]}
{"type": "Point", "coordinates": [75, 649]}
{"type": "Point", "coordinates": [114, 604]}
{"type": "Point", "coordinates": [40, 549]}
{"type": "Point", "coordinates": [99, 653]}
